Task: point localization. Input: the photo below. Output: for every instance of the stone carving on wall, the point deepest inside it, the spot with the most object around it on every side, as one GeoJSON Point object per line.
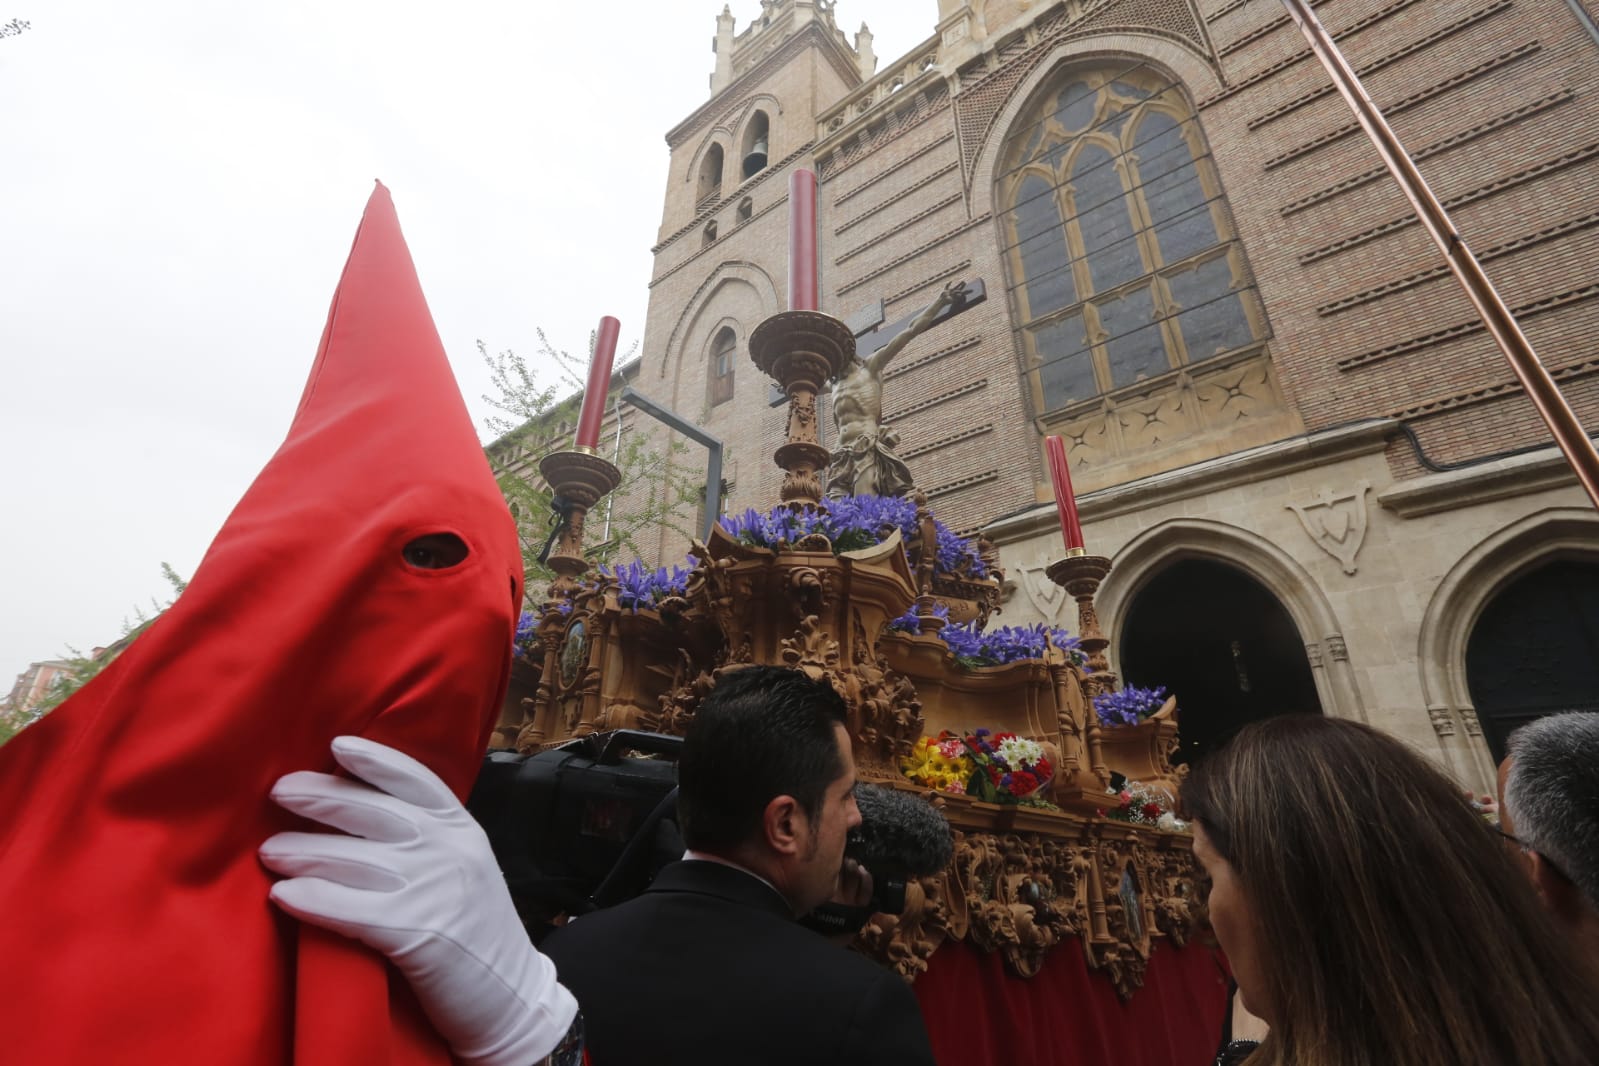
{"type": "Point", "coordinates": [1336, 522]}
{"type": "Point", "coordinates": [1187, 415]}
{"type": "Point", "coordinates": [1443, 723]}
{"type": "Point", "coordinates": [1046, 597]}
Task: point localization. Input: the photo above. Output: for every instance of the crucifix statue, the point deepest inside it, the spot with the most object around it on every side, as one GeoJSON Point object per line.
{"type": "Point", "coordinates": [865, 460]}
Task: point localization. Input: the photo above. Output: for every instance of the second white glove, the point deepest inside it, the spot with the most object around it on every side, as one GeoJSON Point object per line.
{"type": "Point", "coordinates": [417, 880]}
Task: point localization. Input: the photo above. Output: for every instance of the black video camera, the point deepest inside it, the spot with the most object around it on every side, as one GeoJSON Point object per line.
{"type": "Point", "coordinates": [583, 825]}
{"type": "Point", "coordinates": [588, 824]}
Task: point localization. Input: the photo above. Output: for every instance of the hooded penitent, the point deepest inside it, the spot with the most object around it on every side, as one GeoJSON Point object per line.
{"type": "Point", "coordinates": [134, 920]}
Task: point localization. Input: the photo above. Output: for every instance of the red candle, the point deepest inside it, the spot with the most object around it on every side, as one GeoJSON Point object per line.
{"type": "Point", "coordinates": [802, 241]}
{"type": "Point", "coordinates": [1065, 503]}
{"type": "Point", "coordinates": [594, 394]}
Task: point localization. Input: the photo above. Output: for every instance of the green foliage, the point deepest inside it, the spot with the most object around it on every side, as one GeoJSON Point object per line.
{"type": "Point", "coordinates": [80, 668]}
{"type": "Point", "coordinates": [652, 493]}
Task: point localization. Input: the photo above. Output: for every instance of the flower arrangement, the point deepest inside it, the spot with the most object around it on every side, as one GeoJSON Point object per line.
{"type": "Point", "coordinates": [973, 647]}
{"type": "Point", "coordinates": [639, 586]}
{"type": "Point", "coordinates": [996, 767]}
{"type": "Point", "coordinates": [1129, 706]}
{"type": "Point", "coordinates": [852, 523]}
{"type": "Point", "coordinates": [940, 764]}
{"type": "Point", "coordinates": [1142, 805]}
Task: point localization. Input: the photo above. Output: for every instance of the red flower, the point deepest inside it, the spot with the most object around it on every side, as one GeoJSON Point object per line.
{"type": "Point", "coordinates": [1043, 769]}
{"type": "Point", "coordinates": [1151, 811]}
{"type": "Point", "coordinates": [1000, 737]}
{"type": "Point", "coordinates": [994, 774]}
{"type": "Point", "coordinates": [1023, 783]}
{"type": "Point", "coordinates": [1100, 811]}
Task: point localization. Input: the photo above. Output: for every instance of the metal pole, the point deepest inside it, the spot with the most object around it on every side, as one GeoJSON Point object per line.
{"type": "Point", "coordinates": [616, 460]}
{"type": "Point", "coordinates": [1501, 324]}
{"type": "Point", "coordinates": [713, 470]}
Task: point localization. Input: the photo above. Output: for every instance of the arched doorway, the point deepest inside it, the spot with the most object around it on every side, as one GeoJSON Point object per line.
{"type": "Point", "coordinates": [1535, 649]}
{"type": "Point", "coordinates": [1223, 644]}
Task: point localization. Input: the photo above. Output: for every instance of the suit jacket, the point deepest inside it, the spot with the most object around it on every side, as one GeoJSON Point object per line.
{"type": "Point", "coordinates": [709, 968]}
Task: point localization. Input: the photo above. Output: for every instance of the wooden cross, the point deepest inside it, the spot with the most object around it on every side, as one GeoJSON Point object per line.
{"type": "Point", "coordinates": [871, 334]}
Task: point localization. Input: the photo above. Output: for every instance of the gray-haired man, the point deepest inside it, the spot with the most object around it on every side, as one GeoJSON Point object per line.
{"type": "Point", "coordinates": [1549, 805]}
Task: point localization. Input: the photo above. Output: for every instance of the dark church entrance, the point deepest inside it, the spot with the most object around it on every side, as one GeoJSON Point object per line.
{"type": "Point", "coordinates": [1535, 649]}
{"type": "Point", "coordinates": [1222, 644]}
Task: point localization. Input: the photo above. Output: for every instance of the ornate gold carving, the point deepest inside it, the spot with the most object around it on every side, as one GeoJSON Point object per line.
{"type": "Point", "coordinates": [1024, 894]}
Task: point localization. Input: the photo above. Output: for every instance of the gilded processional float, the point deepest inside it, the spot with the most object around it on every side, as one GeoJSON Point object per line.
{"type": "Point", "coordinates": [875, 595]}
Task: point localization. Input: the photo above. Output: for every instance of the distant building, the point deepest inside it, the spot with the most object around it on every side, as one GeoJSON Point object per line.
{"type": "Point", "coordinates": [1321, 486]}
{"type": "Point", "coordinates": [34, 683]}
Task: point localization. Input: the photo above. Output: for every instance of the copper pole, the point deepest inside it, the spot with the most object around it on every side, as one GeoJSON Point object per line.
{"type": "Point", "coordinates": [1540, 387]}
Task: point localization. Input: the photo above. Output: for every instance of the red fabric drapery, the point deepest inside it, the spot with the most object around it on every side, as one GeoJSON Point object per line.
{"type": "Point", "coordinates": [978, 1013]}
{"type": "Point", "coordinates": [137, 925]}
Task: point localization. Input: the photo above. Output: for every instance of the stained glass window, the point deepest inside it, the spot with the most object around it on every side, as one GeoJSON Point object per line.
{"type": "Point", "coordinates": [1123, 261]}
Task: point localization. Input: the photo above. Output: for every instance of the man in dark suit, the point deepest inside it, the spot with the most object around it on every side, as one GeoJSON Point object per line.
{"type": "Point", "coordinates": [708, 967]}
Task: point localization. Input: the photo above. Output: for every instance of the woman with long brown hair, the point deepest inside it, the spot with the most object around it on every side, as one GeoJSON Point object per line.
{"type": "Point", "coordinates": [1370, 916]}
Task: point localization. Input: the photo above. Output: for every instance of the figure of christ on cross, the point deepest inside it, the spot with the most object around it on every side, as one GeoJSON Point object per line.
{"type": "Point", "coordinates": [865, 461]}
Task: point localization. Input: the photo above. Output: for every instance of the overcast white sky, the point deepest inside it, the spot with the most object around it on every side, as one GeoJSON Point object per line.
{"type": "Point", "coordinates": [179, 184]}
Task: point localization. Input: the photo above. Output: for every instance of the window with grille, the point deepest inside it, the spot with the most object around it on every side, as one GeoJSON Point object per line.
{"type": "Point", "coordinates": [1123, 261]}
{"type": "Point", "coordinates": [723, 350]}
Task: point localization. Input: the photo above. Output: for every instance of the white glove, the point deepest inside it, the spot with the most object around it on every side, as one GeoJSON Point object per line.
{"type": "Point", "coordinates": [417, 881]}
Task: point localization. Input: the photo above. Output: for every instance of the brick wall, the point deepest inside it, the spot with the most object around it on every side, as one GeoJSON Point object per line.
{"type": "Point", "coordinates": [1494, 97]}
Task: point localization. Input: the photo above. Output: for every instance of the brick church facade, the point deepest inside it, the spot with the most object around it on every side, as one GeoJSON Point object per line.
{"type": "Point", "coordinates": [1318, 481]}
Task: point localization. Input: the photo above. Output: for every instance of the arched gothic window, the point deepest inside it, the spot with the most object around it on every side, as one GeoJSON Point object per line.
{"type": "Point", "coordinates": [723, 350]}
{"type": "Point", "coordinates": [757, 136]}
{"type": "Point", "coordinates": [1123, 261]}
{"type": "Point", "coordinates": [710, 186]}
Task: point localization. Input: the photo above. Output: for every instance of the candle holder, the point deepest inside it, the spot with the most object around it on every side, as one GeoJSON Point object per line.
{"type": "Point", "coordinates": [578, 480]}
{"type": "Point", "coordinates": [1080, 574]}
{"type": "Point", "coordinates": [802, 351]}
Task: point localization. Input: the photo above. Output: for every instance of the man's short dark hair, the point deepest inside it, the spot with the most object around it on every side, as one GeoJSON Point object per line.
{"type": "Point", "coordinates": [1552, 794]}
{"type": "Point", "coordinates": [763, 732]}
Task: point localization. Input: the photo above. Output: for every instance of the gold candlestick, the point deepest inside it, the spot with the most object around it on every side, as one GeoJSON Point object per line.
{"type": "Point", "coordinates": [1080, 575]}
{"type": "Point", "coordinates": [802, 351]}
{"type": "Point", "coordinates": [579, 479]}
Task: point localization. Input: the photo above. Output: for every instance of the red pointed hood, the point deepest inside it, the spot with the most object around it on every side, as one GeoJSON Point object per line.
{"type": "Point", "coordinates": [139, 928]}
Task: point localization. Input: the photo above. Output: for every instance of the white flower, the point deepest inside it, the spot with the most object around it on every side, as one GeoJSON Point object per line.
{"type": "Point", "coordinates": [1170, 822]}
{"type": "Point", "coordinates": [1018, 752]}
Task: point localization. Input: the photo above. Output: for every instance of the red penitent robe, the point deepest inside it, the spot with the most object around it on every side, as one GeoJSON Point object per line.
{"type": "Point", "coordinates": [134, 920]}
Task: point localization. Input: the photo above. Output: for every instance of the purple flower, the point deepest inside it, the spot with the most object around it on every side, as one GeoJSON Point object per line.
{"type": "Point", "coordinates": [1129, 706]}
{"type": "Point", "coordinates": [910, 622]}
{"type": "Point", "coordinates": [527, 632]}
{"type": "Point", "coordinates": [852, 523]}
{"type": "Point", "coordinates": [1007, 644]}
{"type": "Point", "coordinates": [638, 586]}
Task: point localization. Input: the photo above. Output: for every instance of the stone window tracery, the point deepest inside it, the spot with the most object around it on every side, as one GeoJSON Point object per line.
{"type": "Point", "coordinates": [1123, 261]}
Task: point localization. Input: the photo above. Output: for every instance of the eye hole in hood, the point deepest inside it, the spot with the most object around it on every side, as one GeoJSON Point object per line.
{"type": "Point", "coordinates": [435, 551]}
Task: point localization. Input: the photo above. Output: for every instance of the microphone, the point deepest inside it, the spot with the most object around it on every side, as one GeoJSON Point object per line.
{"type": "Point", "coordinates": [901, 836]}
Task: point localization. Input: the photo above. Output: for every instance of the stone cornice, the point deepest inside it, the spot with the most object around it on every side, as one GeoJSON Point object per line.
{"type": "Point", "coordinates": [1515, 475]}
{"type": "Point", "coordinates": [1227, 471]}
{"type": "Point", "coordinates": [811, 33]}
